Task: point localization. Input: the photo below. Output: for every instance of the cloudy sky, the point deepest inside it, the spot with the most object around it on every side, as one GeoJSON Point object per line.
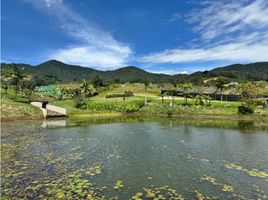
{"type": "Point", "coordinates": [174, 36]}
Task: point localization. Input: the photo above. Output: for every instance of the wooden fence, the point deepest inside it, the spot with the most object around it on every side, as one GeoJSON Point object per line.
{"type": "Point", "coordinates": [225, 97]}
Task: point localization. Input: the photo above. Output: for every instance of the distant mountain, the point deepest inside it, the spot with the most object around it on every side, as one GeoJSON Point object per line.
{"type": "Point", "coordinates": [54, 71]}
{"type": "Point", "coordinates": [238, 72]}
{"type": "Point", "coordinates": [253, 71]}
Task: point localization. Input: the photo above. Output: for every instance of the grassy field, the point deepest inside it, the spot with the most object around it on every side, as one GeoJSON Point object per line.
{"type": "Point", "coordinates": [156, 107]}
{"type": "Point", "coordinates": [216, 108]}
{"type": "Point", "coordinates": [97, 105]}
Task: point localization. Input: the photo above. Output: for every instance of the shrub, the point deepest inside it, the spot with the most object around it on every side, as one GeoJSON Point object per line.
{"type": "Point", "coordinates": [118, 107]}
{"type": "Point", "coordinates": [245, 110]}
{"type": "Point", "coordinates": [114, 95]}
{"type": "Point", "coordinates": [128, 93]}
{"type": "Point", "coordinates": [125, 94]}
{"type": "Point", "coordinates": [169, 112]}
{"type": "Point", "coordinates": [259, 102]}
{"type": "Point", "coordinates": [103, 89]}
{"type": "Point", "coordinates": [80, 103]}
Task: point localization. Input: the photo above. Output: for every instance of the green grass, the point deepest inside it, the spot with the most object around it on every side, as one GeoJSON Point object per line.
{"type": "Point", "coordinates": [72, 111]}
{"type": "Point", "coordinates": [224, 108]}
{"type": "Point", "coordinates": [155, 107]}
{"type": "Point", "coordinates": [11, 109]}
{"type": "Point", "coordinates": [95, 115]}
{"type": "Point", "coordinates": [20, 108]}
{"type": "Point", "coordinates": [137, 88]}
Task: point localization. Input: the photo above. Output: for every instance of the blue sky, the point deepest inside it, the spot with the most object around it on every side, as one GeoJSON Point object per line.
{"type": "Point", "coordinates": [173, 36]}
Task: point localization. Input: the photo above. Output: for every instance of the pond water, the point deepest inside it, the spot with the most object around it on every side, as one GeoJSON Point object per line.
{"type": "Point", "coordinates": [134, 159]}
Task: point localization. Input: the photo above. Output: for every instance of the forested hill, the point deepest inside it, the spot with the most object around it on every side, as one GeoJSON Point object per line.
{"type": "Point", "coordinates": [253, 71]}
{"type": "Point", "coordinates": [54, 71]}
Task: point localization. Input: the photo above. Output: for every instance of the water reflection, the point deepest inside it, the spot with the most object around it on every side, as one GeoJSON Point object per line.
{"type": "Point", "coordinates": [187, 157]}
{"type": "Point", "coordinates": [245, 126]}
{"type": "Point", "coordinates": [54, 123]}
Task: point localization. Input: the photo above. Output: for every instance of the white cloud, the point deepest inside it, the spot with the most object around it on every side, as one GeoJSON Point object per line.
{"type": "Point", "coordinates": [219, 18]}
{"type": "Point", "coordinates": [168, 71]}
{"type": "Point", "coordinates": [52, 2]}
{"type": "Point", "coordinates": [235, 31]}
{"type": "Point", "coordinates": [96, 48]}
{"type": "Point", "coordinates": [93, 56]}
{"type": "Point", "coordinates": [234, 52]}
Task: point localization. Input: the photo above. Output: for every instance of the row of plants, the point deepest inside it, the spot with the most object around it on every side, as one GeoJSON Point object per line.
{"type": "Point", "coordinates": [127, 107]}
{"type": "Point", "coordinates": [177, 109]}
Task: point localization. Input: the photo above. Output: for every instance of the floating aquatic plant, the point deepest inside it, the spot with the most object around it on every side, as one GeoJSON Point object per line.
{"type": "Point", "coordinates": [250, 172]}
{"type": "Point", "coordinates": [160, 193]}
{"type": "Point", "coordinates": [92, 171]}
{"type": "Point", "coordinates": [137, 196]}
{"type": "Point", "coordinates": [118, 185]}
{"type": "Point", "coordinates": [209, 179]}
{"type": "Point", "coordinates": [227, 188]}
{"type": "Point", "coordinates": [199, 195]}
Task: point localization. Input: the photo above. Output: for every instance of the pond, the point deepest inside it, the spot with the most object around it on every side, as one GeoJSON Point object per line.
{"type": "Point", "coordinates": [134, 159]}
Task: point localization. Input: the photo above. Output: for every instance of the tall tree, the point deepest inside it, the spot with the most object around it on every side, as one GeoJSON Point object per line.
{"type": "Point", "coordinates": [172, 93]}
{"type": "Point", "coordinates": [162, 95]}
{"type": "Point", "coordinates": [15, 77]}
{"type": "Point", "coordinates": [97, 81]}
{"type": "Point", "coordinates": [146, 84]}
{"type": "Point", "coordinates": [185, 88]}
{"type": "Point", "coordinates": [28, 88]}
{"type": "Point", "coordinates": [248, 93]}
{"type": "Point", "coordinates": [62, 92]}
{"type": "Point", "coordinates": [220, 83]}
{"type": "Point", "coordinates": [86, 89]}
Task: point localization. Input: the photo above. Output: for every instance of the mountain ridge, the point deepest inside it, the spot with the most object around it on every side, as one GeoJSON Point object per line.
{"type": "Point", "coordinates": [53, 71]}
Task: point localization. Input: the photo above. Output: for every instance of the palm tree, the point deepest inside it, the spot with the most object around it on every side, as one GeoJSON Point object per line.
{"type": "Point", "coordinates": [199, 100]}
{"type": "Point", "coordinates": [77, 92]}
{"type": "Point", "coordinates": [16, 76]}
{"type": "Point", "coordinates": [186, 87]}
{"type": "Point", "coordinates": [97, 81]}
{"type": "Point", "coordinates": [28, 88]}
{"type": "Point", "coordinates": [162, 95]}
{"type": "Point", "coordinates": [220, 84]}
{"type": "Point", "coordinates": [146, 84]}
{"type": "Point", "coordinates": [86, 89]}
{"type": "Point", "coordinates": [207, 99]}
{"type": "Point", "coordinates": [172, 93]}
{"type": "Point", "coordinates": [62, 92]}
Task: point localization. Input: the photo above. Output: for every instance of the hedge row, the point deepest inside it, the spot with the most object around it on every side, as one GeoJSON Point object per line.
{"type": "Point", "coordinates": [125, 94]}
{"type": "Point", "coordinates": [128, 107]}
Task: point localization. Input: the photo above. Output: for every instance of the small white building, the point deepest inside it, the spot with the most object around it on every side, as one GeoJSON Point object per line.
{"type": "Point", "coordinates": [232, 84]}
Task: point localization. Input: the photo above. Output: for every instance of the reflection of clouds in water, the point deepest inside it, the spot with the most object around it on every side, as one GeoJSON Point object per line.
{"type": "Point", "coordinates": [127, 151]}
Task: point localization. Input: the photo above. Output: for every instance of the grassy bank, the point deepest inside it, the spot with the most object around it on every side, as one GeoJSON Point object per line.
{"type": "Point", "coordinates": [215, 108]}
{"type": "Point", "coordinates": [11, 110]}
{"type": "Point", "coordinates": [101, 107]}
{"type": "Point", "coordinates": [155, 107]}
{"type": "Point", "coordinates": [18, 107]}
{"type": "Point", "coordinates": [97, 108]}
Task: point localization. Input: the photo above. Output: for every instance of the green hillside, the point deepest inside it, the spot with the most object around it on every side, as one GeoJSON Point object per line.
{"type": "Point", "coordinates": [57, 72]}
